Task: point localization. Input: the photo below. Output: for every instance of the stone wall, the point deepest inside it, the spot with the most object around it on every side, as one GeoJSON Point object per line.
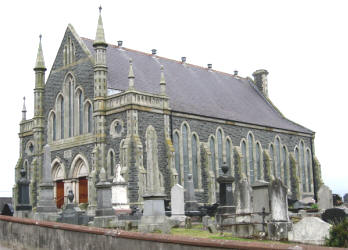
{"type": "Point", "coordinates": [19, 233]}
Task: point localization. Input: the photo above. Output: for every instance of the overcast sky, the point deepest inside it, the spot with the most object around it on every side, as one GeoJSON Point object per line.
{"type": "Point", "coordinates": [303, 45]}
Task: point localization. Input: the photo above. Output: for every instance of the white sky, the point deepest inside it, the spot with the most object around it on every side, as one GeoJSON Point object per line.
{"type": "Point", "coordinates": [303, 45]}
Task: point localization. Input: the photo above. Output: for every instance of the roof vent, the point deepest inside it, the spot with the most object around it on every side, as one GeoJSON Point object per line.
{"type": "Point", "coordinates": [119, 43]}
{"type": "Point", "coordinates": [235, 73]}
{"type": "Point", "coordinates": [210, 66]}
{"type": "Point", "coordinates": [183, 59]}
{"type": "Point", "coordinates": [153, 51]}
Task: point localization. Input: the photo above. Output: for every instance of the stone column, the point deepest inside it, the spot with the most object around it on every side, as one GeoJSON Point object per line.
{"type": "Point", "coordinates": [226, 193]}
{"type": "Point", "coordinates": [46, 209]}
{"type": "Point", "coordinates": [105, 215]}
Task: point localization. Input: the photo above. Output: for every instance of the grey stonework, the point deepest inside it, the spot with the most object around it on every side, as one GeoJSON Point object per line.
{"type": "Point", "coordinates": [136, 111]}
{"type": "Point", "coordinates": [206, 128]}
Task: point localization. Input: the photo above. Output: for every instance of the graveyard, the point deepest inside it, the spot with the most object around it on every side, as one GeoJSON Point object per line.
{"type": "Point", "coordinates": [244, 212]}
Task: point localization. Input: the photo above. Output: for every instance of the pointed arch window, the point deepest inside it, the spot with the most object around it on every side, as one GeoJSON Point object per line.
{"type": "Point", "coordinates": [112, 162]}
{"type": "Point", "coordinates": [297, 156]}
{"type": "Point", "coordinates": [185, 150]}
{"type": "Point", "coordinates": [71, 106]}
{"type": "Point", "coordinates": [258, 161]}
{"type": "Point", "coordinates": [302, 167]}
{"type": "Point", "coordinates": [219, 148]}
{"type": "Point", "coordinates": [89, 117]}
{"type": "Point", "coordinates": [194, 161]}
{"type": "Point", "coordinates": [245, 160]}
{"type": "Point", "coordinates": [271, 154]}
{"type": "Point", "coordinates": [228, 154]}
{"type": "Point", "coordinates": [80, 111]}
{"type": "Point", "coordinates": [251, 157]}
{"type": "Point", "coordinates": [177, 156]}
{"type": "Point", "coordinates": [309, 172]}
{"type": "Point", "coordinates": [54, 127]}
{"type": "Point", "coordinates": [62, 118]}
{"type": "Point", "coordinates": [212, 151]}
{"type": "Point", "coordinates": [277, 158]}
{"type": "Point", "coordinates": [284, 163]}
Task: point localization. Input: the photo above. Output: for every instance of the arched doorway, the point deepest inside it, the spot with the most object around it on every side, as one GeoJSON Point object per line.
{"type": "Point", "coordinates": [58, 175]}
{"type": "Point", "coordinates": [79, 175]}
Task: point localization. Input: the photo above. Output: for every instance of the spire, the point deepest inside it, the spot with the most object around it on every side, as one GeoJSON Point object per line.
{"type": "Point", "coordinates": [24, 110]}
{"type": "Point", "coordinates": [100, 37]}
{"type": "Point", "coordinates": [163, 82]}
{"type": "Point", "coordinates": [131, 75]}
{"type": "Point", "coordinates": [40, 62]}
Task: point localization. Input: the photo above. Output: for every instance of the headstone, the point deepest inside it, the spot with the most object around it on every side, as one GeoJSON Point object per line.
{"type": "Point", "coordinates": [325, 197]}
{"type": "Point", "coordinates": [260, 203]}
{"type": "Point", "coordinates": [310, 230]}
{"type": "Point", "coordinates": [226, 194]}
{"type": "Point", "coordinates": [279, 224]}
{"type": "Point", "coordinates": [177, 202]}
{"type": "Point", "coordinates": [243, 202]}
{"type": "Point", "coordinates": [205, 221]}
{"type": "Point", "coordinates": [191, 204]}
{"type": "Point", "coordinates": [46, 209]}
{"type": "Point", "coordinates": [334, 215]}
{"type": "Point", "coordinates": [119, 191]}
{"type": "Point", "coordinates": [188, 223]}
{"type": "Point", "coordinates": [23, 192]}
{"type": "Point", "coordinates": [72, 214]}
{"type": "Point", "coordinates": [308, 200]}
{"type": "Point", "coordinates": [345, 198]}
{"type": "Point", "coordinates": [105, 215]}
{"type": "Point", "coordinates": [212, 228]}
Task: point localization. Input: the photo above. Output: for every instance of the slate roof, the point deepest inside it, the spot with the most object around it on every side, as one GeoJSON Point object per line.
{"type": "Point", "coordinates": [193, 89]}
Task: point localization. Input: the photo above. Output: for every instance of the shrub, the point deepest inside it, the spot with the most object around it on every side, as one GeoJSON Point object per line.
{"type": "Point", "coordinates": [338, 235]}
{"type": "Point", "coordinates": [314, 206]}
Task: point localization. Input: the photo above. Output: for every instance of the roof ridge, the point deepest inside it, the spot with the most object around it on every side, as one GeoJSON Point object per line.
{"type": "Point", "coordinates": [166, 58]}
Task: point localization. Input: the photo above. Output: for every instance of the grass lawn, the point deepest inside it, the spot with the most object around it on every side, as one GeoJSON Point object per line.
{"type": "Point", "coordinates": [198, 232]}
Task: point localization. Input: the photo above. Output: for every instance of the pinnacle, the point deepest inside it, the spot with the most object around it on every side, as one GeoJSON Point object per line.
{"type": "Point", "coordinates": [100, 36]}
{"type": "Point", "coordinates": [40, 62]}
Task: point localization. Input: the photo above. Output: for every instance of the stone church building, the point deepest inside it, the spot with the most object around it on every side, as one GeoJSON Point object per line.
{"type": "Point", "coordinates": [104, 105]}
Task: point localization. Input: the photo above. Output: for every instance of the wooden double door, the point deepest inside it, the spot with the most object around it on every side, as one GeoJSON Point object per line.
{"type": "Point", "coordinates": [83, 191]}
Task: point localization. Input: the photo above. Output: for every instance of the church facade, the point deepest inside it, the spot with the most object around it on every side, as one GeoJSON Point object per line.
{"type": "Point", "coordinates": [107, 106]}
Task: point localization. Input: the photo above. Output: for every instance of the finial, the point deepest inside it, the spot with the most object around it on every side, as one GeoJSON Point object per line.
{"type": "Point", "coordinates": [163, 82]}
{"type": "Point", "coordinates": [131, 75]}
{"type": "Point", "coordinates": [40, 36]}
{"type": "Point", "coordinates": [100, 9]}
{"type": "Point", "coordinates": [24, 110]}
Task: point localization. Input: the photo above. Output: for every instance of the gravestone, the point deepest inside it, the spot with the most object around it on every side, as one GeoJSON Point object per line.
{"type": "Point", "coordinates": [243, 203]}
{"type": "Point", "coordinates": [177, 203]}
{"type": "Point", "coordinates": [191, 205]}
{"type": "Point", "coordinates": [279, 224]}
{"type": "Point", "coordinates": [119, 192]}
{"type": "Point", "coordinates": [310, 230]}
{"type": "Point", "coordinates": [154, 213]}
{"type": "Point", "coordinates": [226, 194]}
{"type": "Point", "coordinates": [260, 203]}
{"type": "Point", "coordinates": [23, 193]}
{"type": "Point", "coordinates": [325, 197]}
{"type": "Point", "coordinates": [345, 198]}
{"type": "Point", "coordinates": [333, 215]}
{"type": "Point", "coordinates": [104, 215]}
{"type": "Point", "coordinates": [46, 208]}
{"type": "Point", "coordinates": [72, 214]}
